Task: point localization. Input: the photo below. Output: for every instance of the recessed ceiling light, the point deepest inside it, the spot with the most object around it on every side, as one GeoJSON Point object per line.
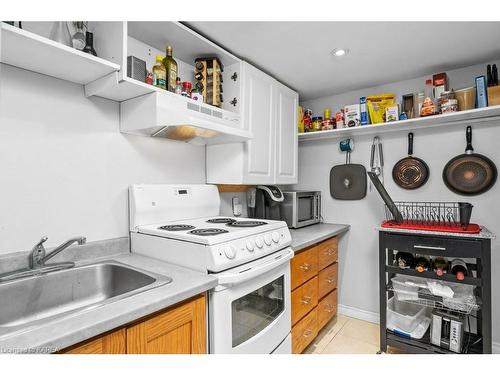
{"type": "Point", "coordinates": [339, 52]}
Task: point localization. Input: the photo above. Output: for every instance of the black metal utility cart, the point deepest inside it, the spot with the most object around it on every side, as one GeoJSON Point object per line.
{"type": "Point", "coordinates": [475, 247]}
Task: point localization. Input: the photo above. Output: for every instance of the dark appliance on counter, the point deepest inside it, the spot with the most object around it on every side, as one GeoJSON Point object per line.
{"type": "Point", "coordinates": [447, 330]}
{"type": "Point", "coordinates": [301, 208]}
{"type": "Point", "coordinates": [268, 200]}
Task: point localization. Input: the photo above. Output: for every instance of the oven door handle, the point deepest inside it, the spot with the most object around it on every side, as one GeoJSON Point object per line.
{"type": "Point", "coordinates": [247, 274]}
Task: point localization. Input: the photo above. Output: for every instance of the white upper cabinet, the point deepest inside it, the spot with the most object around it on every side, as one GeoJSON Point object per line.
{"type": "Point", "coordinates": [269, 112]}
{"type": "Point", "coordinates": [286, 136]}
{"type": "Point", "coordinates": [259, 111]}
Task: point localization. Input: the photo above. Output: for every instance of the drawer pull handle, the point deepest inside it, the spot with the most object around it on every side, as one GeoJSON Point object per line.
{"type": "Point", "coordinates": [329, 308]}
{"type": "Point", "coordinates": [308, 332]}
{"type": "Point", "coordinates": [429, 247]}
{"type": "Point", "coordinates": [331, 280]}
{"type": "Point", "coordinates": [305, 267]}
{"type": "Point", "coordinates": [306, 300]}
{"type": "Point", "coordinates": [329, 252]}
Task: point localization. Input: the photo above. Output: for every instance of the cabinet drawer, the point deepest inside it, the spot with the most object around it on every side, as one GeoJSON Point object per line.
{"type": "Point", "coordinates": [327, 309]}
{"type": "Point", "coordinates": [327, 252]}
{"type": "Point", "coordinates": [327, 280]}
{"type": "Point", "coordinates": [432, 245]}
{"type": "Point", "coordinates": [304, 299]}
{"type": "Point", "coordinates": [304, 266]}
{"type": "Point", "coordinates": [304, 332]}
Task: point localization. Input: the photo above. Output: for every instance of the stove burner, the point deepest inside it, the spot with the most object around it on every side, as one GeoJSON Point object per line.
{"type": "Point", "coordinates": [221, 220]}
{"type": "Point", "coordinates": [208, 231]}
{"type": "Point", "coordinates": [176, 227]}
{"type": "Point", "coordinates": [246, 224]}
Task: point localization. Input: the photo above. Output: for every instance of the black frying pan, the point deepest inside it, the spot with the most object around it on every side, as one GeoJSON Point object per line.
{"type": "Point", "coordinates": [410, 172]}
{"type": "Point", "coordinates": [469, 173]}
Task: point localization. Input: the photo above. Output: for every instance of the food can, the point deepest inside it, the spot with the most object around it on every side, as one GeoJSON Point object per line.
{"type": "Point", "coordinates": [316, 123]}
{"type": "Point", "coordinates": [186, 89]}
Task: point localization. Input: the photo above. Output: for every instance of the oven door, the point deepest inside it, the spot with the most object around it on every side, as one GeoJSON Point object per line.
{"type": "Point", "coordinates": [307, 209]}
{"type": "Point", "coordinates": [249, 311]}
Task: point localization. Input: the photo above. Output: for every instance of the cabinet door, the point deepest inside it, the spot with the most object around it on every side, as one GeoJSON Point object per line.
{"type": "Point", "coordinates": [286, 135]}
{"type": "Point", "coordinates": [259, 117]}
{"type": "Point", "coordinates": [179, 330]}
{"type": "Point", "coordinates": [109, 343]}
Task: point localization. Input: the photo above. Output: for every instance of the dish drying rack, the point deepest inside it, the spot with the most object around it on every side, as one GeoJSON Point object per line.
{"type": "Point", "coordinates": [433, 216]}
{"type": "Point", "coordinates": [426, 216]}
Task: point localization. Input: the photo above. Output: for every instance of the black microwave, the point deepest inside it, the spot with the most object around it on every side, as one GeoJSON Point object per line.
{"type": "Point", "coordinates": [301, 208]}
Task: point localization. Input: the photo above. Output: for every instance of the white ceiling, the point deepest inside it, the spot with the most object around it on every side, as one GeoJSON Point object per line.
{"type": "Point", "coordinates": [299, 53]}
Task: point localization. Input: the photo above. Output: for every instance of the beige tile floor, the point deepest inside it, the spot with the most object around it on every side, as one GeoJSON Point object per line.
{"type": "Point", "coordinates": [345, 335]}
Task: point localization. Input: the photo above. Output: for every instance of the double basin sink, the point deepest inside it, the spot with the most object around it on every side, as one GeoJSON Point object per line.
{"type": "Point", "coordinates": [32, 300]}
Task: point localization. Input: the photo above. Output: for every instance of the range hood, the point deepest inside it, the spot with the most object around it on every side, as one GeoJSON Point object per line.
{"type": "Point", "coordinates": [168, 115]}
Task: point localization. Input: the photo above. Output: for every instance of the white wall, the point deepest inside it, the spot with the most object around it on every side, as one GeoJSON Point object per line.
{"type": "Point", "coordinates": [359, 248]}
{"type": "Point", "coordinates": [65, 167]}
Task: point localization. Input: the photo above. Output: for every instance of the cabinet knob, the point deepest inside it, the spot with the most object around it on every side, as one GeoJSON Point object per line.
{"type": "Point", "coordinates": [234, 77]}
{"type": "Point", "coordinates": [308, 332]}
{"type": "Point", "coordinates": [305, 267]}
{"type": "Point", "coordinates": [306, 300]}
{"type": "Point", "coordinates": [234, 102]}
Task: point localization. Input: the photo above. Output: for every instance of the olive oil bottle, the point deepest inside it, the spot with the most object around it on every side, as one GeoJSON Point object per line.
{"type": "Point", "coordinates": [171, 68]}
{"type": "Point", "coordinates": [159, 73]}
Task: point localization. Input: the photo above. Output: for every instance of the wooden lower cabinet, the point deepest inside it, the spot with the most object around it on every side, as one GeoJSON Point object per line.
{"type": "Point", "coordinates": [304, 332]}
{"type": "Point", "coordinates": [180, 329]}
{"type": "Point", "coordinates": [109, 343]}
{"type": "Point", "coordinates": [304, 299]}
{"type": "Point", "coordinates": [327, 280]}
{"type": "Point", "coordinates": [314, 279]}
{"type": "Point", "coordinates": [327, 309]}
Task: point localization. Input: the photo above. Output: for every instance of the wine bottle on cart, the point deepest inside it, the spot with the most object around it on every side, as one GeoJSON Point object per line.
{"type": "Point", "coordinates": [422, 263]}
{"type": "Point", "coordinates": [440, 266]}
{"type": "Point", "coordinates": [458, 268]}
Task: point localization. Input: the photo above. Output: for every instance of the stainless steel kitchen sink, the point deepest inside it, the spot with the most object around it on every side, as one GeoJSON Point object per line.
{"type": "Point", "coordinates": [32, 300]}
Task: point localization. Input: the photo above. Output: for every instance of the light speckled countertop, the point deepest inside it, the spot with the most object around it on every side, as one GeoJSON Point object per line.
{"type": "Point", "coordinates": [307, 236]}
{"type": "Point", "coordinates": [74, 328]}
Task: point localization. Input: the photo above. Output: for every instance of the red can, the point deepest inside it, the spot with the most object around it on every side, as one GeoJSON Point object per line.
{"type": "Point", "coordinates": [186, 89]}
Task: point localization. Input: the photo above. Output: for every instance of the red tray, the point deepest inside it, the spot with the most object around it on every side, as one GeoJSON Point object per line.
{"type": "Point", "coordinates": [471, 228]}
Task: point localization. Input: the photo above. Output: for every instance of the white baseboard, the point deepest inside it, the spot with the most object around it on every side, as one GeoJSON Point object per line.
{"type": "Point", "coordinates": [495, 347]}
{"type": "Point", "coordinates": [354, 312]}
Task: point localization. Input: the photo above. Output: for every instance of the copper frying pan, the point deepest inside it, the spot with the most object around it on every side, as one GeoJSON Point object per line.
{"type": "Point", "coordinates": [410, 172]}
{"type": "Point", "coordinates": [470, 173]}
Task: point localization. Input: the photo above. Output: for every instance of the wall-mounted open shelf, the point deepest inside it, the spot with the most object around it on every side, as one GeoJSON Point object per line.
{"type": "Point", "coordinates": [26, 50]}
{"type": "Point", "coordinates": [484, 116]}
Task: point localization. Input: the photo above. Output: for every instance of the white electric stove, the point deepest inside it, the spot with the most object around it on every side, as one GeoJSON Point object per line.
{"type": "Point", "coordinates": [249, 311]}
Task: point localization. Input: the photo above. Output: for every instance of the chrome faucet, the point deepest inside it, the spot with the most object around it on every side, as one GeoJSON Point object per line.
{"type": "Point", "coordinates": [38, 258]}
{"type": "Point", "coordinates": [38, 255]}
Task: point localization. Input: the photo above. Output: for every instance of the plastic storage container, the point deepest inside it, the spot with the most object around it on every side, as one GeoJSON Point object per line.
{"type": "Point", "coordinates": [403, 291]}
{"type": "Point", "coordinates": [403, 315]}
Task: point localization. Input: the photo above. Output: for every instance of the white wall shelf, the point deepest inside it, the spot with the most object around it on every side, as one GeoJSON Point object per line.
{"type": "Point", "coordinates": [26, 50]}
{"type": "Point", "coordinates": [484, 116]}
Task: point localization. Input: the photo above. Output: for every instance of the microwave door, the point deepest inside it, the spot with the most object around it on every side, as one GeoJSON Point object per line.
{"type": "Point", "coordinates": [306, 209]}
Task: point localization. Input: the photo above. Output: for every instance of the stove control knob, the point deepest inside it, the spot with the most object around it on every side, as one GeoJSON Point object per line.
{"type": "Point", "coordinates": [268, 240]}
{"type": "Point", "coordinates": [230, 252]}
{"type": "Point", "coordinates": [250, 245]}
{"type": "Point", "coordinates": [276, 237]}
{"type": "Point", "coordinates": [259, 242]}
